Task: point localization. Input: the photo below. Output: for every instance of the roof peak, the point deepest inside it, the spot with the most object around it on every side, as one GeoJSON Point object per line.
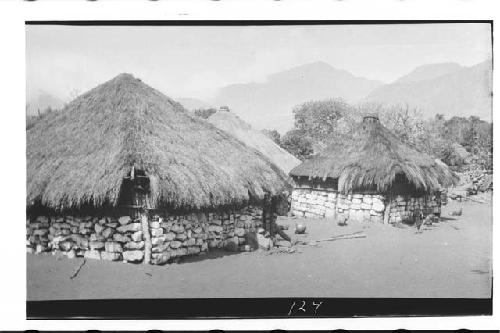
{"type": "Point", "coordinates": [125, 76]}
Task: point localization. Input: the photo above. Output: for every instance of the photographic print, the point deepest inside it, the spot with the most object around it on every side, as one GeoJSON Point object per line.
{"type": "Point", "coordinates": [314, 161]}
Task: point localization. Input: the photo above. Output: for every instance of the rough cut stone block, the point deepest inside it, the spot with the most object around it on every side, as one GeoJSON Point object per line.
{"type": "Point", "coordinates": [161, 247]}
{"type": "Point", "coordinates": [166, 225]}
{"type": "Point", "coordinates": [98, 229]}
{"type": "Point", "coordinates": [215, 229]}
{"type": "Point", "coordinates": [40, 232]}
{"type": "Point", "coordinates": [216, 222]}
{"type": "Point", "coordinates": [121, 238]}
{"type": "Point", "coordinates": [161, 259]}
{"type": "Point", "coordinates": [175, 244]}
{"type": "Point", "coordinates": [113, 256]}
{"type": "Point", "coordinates": [95, 238]}
{"type": "Point", "coordinates": [42, 219]}
{"type": "Point", "coordinates": [124, 220]}
{"type": "Point", "coordinates": [193, 250]}
{"type": "Point", "coordinates": [133, 256]}
{"type": "Point", "coordinates": [158, 240]}
{"type": "Point", "coordinates": [190, 242]}
{"type": "Point", "coordinates": [113, 247]}
{"type": "Point", "coordinates": [134, 245]}
{"type": "Point", "coordinates": [66, 245]}
{"type": "Point", "coordinates": [154, 224]}
{"type": "Point", "coordinates": [181, 237]}
{"type": "Point", "coordinates": [355, 206]}
{"type": "Point", "coordinates": [378, 207]}
{"type": "Point", "coordinates": [96, 245]}
{"type": "Point", "coordinates": [179, 252]}
{"type": "Point", "coordinates": [131, 227]}
{"type": "Point", "coordinates": [156, 232]}
{"type": "Point", "coordinates": [92, 254]}
{"type": "Point", "coordinates": [137, 236]}
{"type": "Point", "coordinates": [169, 236]}
{"type": "Point", "coordinates": [177, 229]}
{"type": "Point", "coordinates": [366, 206]}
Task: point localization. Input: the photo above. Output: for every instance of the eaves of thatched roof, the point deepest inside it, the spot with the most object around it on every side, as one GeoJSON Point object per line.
{"type": "Point", "coordinates": [371, 157]}
{"type": "Point", "coordinates": [80, 155]}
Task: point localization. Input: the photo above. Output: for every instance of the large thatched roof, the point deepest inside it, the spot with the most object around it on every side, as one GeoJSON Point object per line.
{"type": "Point", "coordinates": [81, 154]}
{"type": "Point", "coordinates": [232, 124]}
{"type": "Point", "coordinates": [371, 157]}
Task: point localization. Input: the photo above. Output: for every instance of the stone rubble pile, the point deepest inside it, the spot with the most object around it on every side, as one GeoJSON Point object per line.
{"type": "Point", "coordinates": [124, 238]}
{"type": "Point", "coordinates": [472, 182]}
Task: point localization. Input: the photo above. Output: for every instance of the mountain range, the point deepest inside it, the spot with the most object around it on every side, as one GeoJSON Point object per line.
{"type": "Point", "coordinates": [448, 89]}
{"type": "Point", "coordinates": [269, 104]}
{"type": "Point", "coordinates": [445, 88]}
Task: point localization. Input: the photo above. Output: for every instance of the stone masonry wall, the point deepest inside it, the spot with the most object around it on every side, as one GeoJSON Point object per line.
{"type": "Point", "coordinates": [124, 239]}
{"type": "Point", "coordinates": [312, 203]}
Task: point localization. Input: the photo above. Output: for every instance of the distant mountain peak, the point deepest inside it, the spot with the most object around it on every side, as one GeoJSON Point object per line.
{"type": "Point", "coordinates": [449, 89]}
{"type": "Point", "coordinates": [269, 104]}
{"type": "Point", "coordinates": [429, 71]}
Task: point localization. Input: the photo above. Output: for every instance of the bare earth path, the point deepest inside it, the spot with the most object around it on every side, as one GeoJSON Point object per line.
{"type": "Point", "coordinates": [452, 259]}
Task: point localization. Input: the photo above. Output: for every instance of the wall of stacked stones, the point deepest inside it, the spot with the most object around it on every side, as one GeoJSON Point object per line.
{"type": "Point", "coordinates": [162, 239]}
{"type": "Point", "coordinates": [316, 203]}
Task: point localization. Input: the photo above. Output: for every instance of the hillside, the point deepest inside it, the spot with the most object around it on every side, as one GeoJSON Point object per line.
{"type": "Point", "coordinates": [269, 104]}
{"type": "Point", "coordinates": [427, 72]}
{"type": "Point", "coordinates": [193, 103]}
{"type": "Point", "coordinates": [463, 92]}
{"type": "Point", "coordinates": [232, 124]}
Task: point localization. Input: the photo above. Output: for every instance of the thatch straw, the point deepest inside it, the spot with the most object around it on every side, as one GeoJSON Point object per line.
{"type": "Point", "coordinates": [234, 125]}
{"type": "Point", "coordinates": [80, 155]}
{"type": "Point", "coordinates": [371, 157]}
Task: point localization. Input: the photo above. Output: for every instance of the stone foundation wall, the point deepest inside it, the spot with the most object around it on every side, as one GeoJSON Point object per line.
{"type": "Point", "coordinates": [312, 203]}
{"type": "Point", "coordinates": [161, 240]}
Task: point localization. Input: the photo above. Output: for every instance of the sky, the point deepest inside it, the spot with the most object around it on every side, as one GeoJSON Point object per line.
{"type": "Point", "coordinates": [194, 62]}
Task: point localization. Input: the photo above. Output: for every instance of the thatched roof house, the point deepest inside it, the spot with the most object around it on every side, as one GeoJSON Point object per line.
{"type": "Point", "coordinates": [372, 157]}
{"type": "Point", "coordinates": [83, 154]}
{"type": "Point", "coordinates": [370, 167]}
{"type": "Point", "coordinates": [234, 125]}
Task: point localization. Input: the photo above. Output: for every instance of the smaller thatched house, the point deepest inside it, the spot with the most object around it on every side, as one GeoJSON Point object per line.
{"type": "Point", "coordinates": [371, 175]}
{"type": "Point", "coordinates": [125, 173]}
{"type": "Point", "coordinates": [228, 121]}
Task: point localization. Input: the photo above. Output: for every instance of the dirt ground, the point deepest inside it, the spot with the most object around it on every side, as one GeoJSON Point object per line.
{"type": "Point", "coordinates": [450, 259]}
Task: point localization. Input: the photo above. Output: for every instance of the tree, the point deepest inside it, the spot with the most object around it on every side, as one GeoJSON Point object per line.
{"type": "Point", "coordinates": [273, 135]}
{"type": "Point", "coordinates": [297, 143]}
{"type": "Point", "coordinates": [323, 122]}
{"type": "Point", "coordinates": [204, 113]}
{"type": "Point", "coordinates": [406, 122]}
